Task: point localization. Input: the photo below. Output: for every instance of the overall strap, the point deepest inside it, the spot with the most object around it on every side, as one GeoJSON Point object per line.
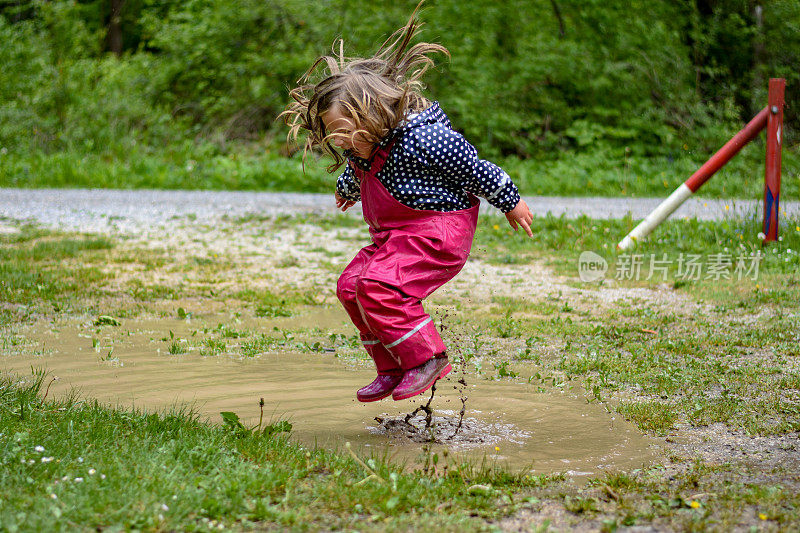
{"type": "Point", "coordinates": [379, 158]}
{"type": "Point", "coordinates": [376, 162]}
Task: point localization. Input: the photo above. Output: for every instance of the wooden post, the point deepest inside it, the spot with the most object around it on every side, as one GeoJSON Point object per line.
{"type": "Point", "coordinates": [696, 180]}
{"type": "Point", "coordinates": [772, 174]}
{"type": "Point", "coordinates": [771, 118]}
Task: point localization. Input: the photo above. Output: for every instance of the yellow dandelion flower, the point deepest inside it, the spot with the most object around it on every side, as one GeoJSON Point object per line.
{"type": "Point", "coordinates": [797, 228]}
{"type": "Point", "coordinates": [497, 448]}
{"type": "Point", "coordinates": [762, 516]}
{"type": "Point", "coordinates": [496, 226]}
{"type": "Point", "coordinates": [695, 504]}
{"type": "Point", "coordinates": [727, 207]}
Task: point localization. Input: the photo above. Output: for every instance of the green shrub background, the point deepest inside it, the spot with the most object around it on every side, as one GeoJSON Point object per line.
{"type": "Point", "coordinates": [573, 97]}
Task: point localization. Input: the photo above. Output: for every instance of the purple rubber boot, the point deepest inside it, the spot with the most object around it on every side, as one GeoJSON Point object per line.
{"type": "Point", "coordinates": [380, 388]}
{"type": "Point", "coordinates": [422, 377]}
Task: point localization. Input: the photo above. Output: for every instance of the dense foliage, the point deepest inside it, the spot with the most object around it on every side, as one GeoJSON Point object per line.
{"type": "Point", "coordinates": [533, 79]}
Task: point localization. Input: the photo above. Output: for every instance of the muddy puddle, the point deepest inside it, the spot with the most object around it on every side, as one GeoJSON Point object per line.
{"type": "Point", "coordinates": [505, 421]}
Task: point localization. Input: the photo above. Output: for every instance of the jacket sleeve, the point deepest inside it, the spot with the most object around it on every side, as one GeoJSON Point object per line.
{"type": "Point", "coordinates": [448, 152]}
{"type": "Point", "coordinates": [347, 186]}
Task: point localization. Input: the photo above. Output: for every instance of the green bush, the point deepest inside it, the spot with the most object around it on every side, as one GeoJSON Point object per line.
{"type": "Point", "coordinates": [610, 88]}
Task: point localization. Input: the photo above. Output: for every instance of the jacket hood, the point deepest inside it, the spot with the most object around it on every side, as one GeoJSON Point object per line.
{"type": "Point", "coordinates": [431, 115]}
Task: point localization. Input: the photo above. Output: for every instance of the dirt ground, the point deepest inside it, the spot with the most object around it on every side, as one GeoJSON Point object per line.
{"type": "Point", "coordinates": [306, 256]}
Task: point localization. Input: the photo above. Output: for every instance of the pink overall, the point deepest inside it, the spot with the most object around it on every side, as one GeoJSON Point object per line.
{"type": "Point", "coordinates": [414, 252]}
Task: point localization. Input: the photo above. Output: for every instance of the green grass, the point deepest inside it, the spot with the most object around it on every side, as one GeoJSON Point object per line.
{"type": "Point", "coordinates": [703, 498]}
{"type": "Point", "coordinates": [689, 367]}
{"type": "Point", "coordinates": [727, 356]}
{"type": "Point", "coordinates": [559, 241]}
{"type": "Point", "coordinates": [50, 270]}
{"type": "Point", "coordinates": [657, 417]}
{"type": "Point", "coordinates": [616, 173]}
{"type": "Point", "coordinates": [43, 271]}
{"type": "Point", "coordinates": [610, 351]}
{"type": "Point", "coordinates": [281, 222]}
{"type": "Point", "coordinates": [140, 291]}
{"type": "Point", "coordinates": [269, 304]}
{"type": "Point", "coordinates": [70, 464]}
{"type": "Point", "coordinates": [703, 362]}
{"type": "Point", "coordinates": [186, 166]}
{"type": "Point", "coordinates": [251, 166]}
{"type": "Point", "coordinates": [259, 344]}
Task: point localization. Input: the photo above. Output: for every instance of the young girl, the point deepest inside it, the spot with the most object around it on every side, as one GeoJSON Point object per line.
{"type": "Point", "coordinates": [417, 180]}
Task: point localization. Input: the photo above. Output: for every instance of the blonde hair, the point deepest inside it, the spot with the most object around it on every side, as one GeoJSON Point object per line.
{"type": "Point", "coordinates": [375, 93]}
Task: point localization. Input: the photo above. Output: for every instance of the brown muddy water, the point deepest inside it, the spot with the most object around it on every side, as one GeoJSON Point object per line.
{"type": "Point", "coordinates": [506, 422]}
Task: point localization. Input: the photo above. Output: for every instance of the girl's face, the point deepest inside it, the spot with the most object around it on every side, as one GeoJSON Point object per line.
{"type": "Point", "coordinates": [343, 127]}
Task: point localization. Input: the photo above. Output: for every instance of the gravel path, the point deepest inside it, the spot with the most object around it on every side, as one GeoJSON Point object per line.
{"type": "Point", "coordinates": [128, 211]}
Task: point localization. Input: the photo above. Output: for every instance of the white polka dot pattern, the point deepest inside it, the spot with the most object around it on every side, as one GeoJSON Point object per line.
{"type": "Point", "coordinates": [433, 167]}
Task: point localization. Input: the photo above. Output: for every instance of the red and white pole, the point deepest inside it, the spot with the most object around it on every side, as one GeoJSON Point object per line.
{"type": "Point", "coordinates": [703, 174]}
{"type": "Point", "coordinates": [772, 175]}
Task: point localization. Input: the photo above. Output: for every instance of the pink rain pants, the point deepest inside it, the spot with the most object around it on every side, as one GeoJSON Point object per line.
{"type": "Point", "coordinates": [413, 253]}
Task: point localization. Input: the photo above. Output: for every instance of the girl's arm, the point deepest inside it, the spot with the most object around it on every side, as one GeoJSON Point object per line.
{"type": "Point", "coordinates": [450, 154]}
{"type": "Point", "coordinates": [347, 191]}
{"type": "Point", "coordinates": [455, 159]}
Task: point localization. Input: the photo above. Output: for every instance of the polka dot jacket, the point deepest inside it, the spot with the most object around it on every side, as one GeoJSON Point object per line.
{"type": "Point", "coordinates": [433, 167]}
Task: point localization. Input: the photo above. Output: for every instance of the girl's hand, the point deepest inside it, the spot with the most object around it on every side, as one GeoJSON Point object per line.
{"type": "Point", "coordinates": [521, 215]}
{"type": "Point", "coordinates": [342, 203]}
